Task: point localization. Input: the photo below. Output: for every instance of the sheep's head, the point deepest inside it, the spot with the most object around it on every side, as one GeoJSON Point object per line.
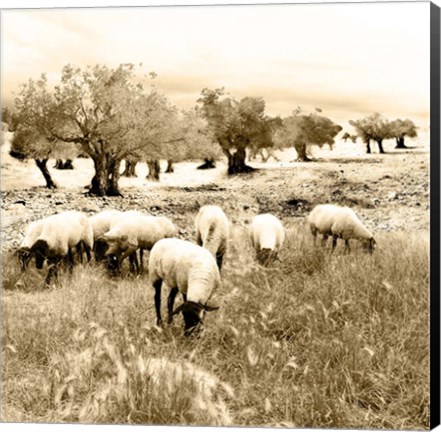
{"type": "Point", "coordinates": [116, 246]}
{"type": "Point", "coordinates": [100, 247]}
{"type": "Point", "coordinates": [41, 251]}
{"type": "Point", "coordinates": [267, 256]}
{"type": "Point", "coordinates": [194, 314]}
{"type": "Point", "coordinates": [370, 245]}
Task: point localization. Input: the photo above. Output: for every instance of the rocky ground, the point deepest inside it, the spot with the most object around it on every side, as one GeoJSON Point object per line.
{"type": "Point", "coordinates": [389, 192]}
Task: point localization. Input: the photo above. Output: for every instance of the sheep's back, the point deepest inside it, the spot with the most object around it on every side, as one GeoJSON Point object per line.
{"type": "Point", "coordinates": [213, 227]}
{"type": "Point", "coordinates": [267, 232]}
{"type": "Point", "coordinates": [33, 231]}
{"type": "Point", "coordinates": [65, 230]}
{"type": "Point", "coordinates": [103, 221]}
{"type": "Point", "coordinates": [181, 264]}
{"type": "Point", "coordinates": [349, 226]}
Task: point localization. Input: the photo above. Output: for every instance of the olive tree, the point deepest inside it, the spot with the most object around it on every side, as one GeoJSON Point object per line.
{"type": "Point", "coordinates": [236, 125]}
{"type": "Point", "coordinates": [302, 131]}
{"type": "Point", "coordinates": [373, 128]}
{"type": "Point", "coordinates": [399, 129]}
{"type": "Point", "coordinates": [98, 108]}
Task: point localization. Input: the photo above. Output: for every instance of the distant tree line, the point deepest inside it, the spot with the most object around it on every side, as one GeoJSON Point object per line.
{"type": "Point", "coordinates": [113, 115]}
{"type": "Point", "coordinates": [376, 128]}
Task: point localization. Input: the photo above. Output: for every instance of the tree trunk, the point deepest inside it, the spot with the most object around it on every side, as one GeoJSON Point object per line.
{"type": "Point", "coordinates": [129, 170]}
{"type": "Point", "coordinates": [42, 166]}
{"type": "Point", "coordinates": [236, 162]}
{"type": "Point", "coordinates": [169, 168]}
{"type": "Point", "coordinates": [154, 168]}
{"type": "Point", "coordinates": [208, 164]}
{"type": "Point", "coordinates": [112, 186]}
{"type": "Point", "coordinates": [400, 143]}
{"type": "Point", "coordinates": [301, 153]}
{"type": "Point", "coordinates": [59, 164]}
{"type": "Point", "coordinates": [105, 180]}
{"type": "Point", "coordinates": [368, 146]}
{"type": "Point", "coordinates": [68, 165]}
{"type": "Point", "coordinates": [380, 145]}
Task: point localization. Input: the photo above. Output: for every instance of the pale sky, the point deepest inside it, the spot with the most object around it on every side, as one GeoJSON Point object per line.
{"type": "Point", "coordinates": [348, 59]}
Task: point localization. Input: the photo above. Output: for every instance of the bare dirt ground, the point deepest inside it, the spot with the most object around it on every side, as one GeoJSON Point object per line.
{"type": "Point", "coordinates": [389, 192]}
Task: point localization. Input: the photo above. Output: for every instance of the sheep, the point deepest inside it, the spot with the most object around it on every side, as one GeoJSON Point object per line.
{"type": "Point", "coordinates": [212, 230]}
{"type": "Point", "coordinates": [101, 223]}
{"type": "Point", "coordinates": [136, 231]}
{"type": "Point", "coordinates": [267, 236]}
{"type": "Point", "coordinates": [339, 222]}
{"type": "Point", "coordinates": [188, 268]}
{"type": "Point", "coordinates": [24, 252]}
{"type": "Point", "coordinates": [59, 234]}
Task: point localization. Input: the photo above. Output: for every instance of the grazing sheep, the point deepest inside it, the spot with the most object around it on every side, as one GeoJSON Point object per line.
{"type": "Point", "coordinates": [267, 236]}
{"type": "Point", "coordinates": [339, 222]}
{"type": "Point", "coordinates": [212, 230]}
{"type": "Point", "coordinates": [187, 268]}
{"type": "Point", "coordinates": [101, 223]}
{"type": "Point", "coordinates": [136, 231]}
{"type": "Point", "coordinates": [32, 232]}
{"type": "Point", "coordinates": [61, 233]}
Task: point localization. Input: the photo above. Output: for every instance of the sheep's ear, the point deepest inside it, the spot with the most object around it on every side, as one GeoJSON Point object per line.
{"type": "Point", "coordinates": [210, 308]}
{"type": "Point", "coordinates": [178, 309]}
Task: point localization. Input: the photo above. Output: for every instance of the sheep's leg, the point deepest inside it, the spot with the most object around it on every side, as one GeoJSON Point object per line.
{"type": "Point", "coordinates": [219, 259]}
{"type": "Point", "coordinates": [80, 251]}
{"type": "Point", "coordinates": [87, 249]}
{"type": "Point", "coordinates": [170, 303]}
{"type": "Point", "coordinates": [184, 296]}
{"type": "Point", "coordinates": [53, 271]}
{"type": "Point", "coordinates": [314, 234]}
{"type": "Point", "coordinates": [157, 285]}
{"type": "Point", "coordinates": [198, 239]}
{"type": "Point", "coordinates": [324, 239]}
{"type": "Point", "coordinates": [347, 247]}
{"type": "Point", "coordinates": [70, 260]}
{"type": "Point", "coordinates": [334, 243]}
{"type": "Point", "coordinates": [141, 257]}
{"type": "Point", "coordinates": [134, 265]}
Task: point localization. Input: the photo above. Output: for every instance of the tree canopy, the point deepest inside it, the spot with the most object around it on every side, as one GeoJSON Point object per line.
{"type": "Point", "coordinates": [399, 129]}
{"type": "Point", "coordinates": [236, 125]}
{"type": "Point", "coordinates": [302, 131]}
{"type": "Point", "coordinates": [108, 112]}
{"type": "Point", "coordinates": [374, 127]}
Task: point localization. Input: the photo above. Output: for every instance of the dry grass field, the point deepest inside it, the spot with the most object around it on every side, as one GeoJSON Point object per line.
{"type": "Point", "coordinates": [319, 340]}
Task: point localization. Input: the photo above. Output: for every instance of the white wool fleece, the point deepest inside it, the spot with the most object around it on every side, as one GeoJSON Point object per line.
{"type": "Point", "coordinates": [266, 232]}
{"type": "Point", "coordinates": [103, 221]}
{"type": "Point", "coordinates": [348, 226]}
{"type": "Point", "coordinates": [65, 230]}
{"type": "Point", "coordinates": [186, 266]}
{"type": "Point", "coordinates": [142, 231]}
{"type": "Point", "coordinates": [33, 230]}
{"type": "Point", "coordinates": [212, 228]}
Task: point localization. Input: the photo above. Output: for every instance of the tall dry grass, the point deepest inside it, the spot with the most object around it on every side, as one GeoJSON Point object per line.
{"type": "Point", "coordinates": [320, 340]}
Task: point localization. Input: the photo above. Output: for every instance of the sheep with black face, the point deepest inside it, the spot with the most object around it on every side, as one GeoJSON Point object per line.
{"type": "Point", "coordinates": [136, 231]}
{"type": "Point", "coordinates": [32, 232]}
{"type": "Point", "coordinates": [60, 233]}
{"type": "Point", "coordinates": [187, 268]}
